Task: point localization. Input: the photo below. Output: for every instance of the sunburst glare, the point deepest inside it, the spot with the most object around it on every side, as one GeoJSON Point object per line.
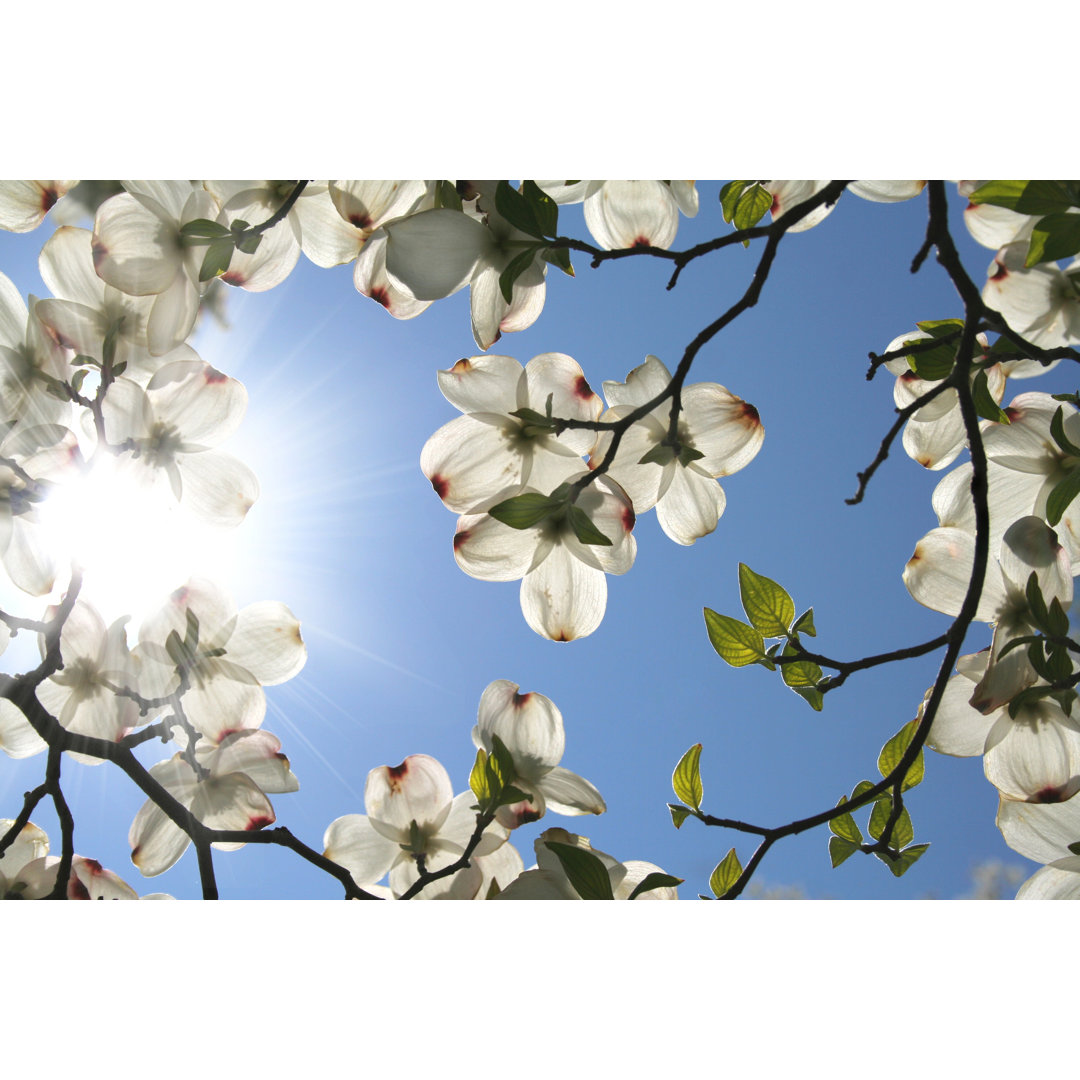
{"type": "Point", "coordinates": [134, 543]}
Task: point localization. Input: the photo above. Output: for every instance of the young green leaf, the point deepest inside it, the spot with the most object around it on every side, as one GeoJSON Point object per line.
{"type": "Point", "coordinates": [844, 826]}
{"type": "Point", "coordinates": [736, 642]}
{"type": "Point", "coordinates": [801, 672]}
{"type": "Point", "coordinates": [202, 229]}
{"type": "Point", "coordinates": [583, 527]}
{"type": "Point", "coordinates": [686, 780]}
{"type": "Point", "coordinates": [249, 244]}
{"type": "Point", "coordinates": [517, 266]}
{"type": "Point", "coordinates": [515, 208]}
{"type": "Point", "coordinates": [1056, 236]}
{"type": "Point", "coordinates": [678, 814]}
{"type": "Point", "coordinates": [754, 203]}
{"type": "Point", "coordinates": [446, 196]}
{"type": "Point", "coordinates": [479, 782]}
{"type": "Point", "coordinates": [812, 696]}
{"type": "Point", "coordinates": [655, 881]}
{"type": "Point", "coordinates": [544, 208]}
{"type": "Point", "coordinates": [587, 874]}
{"type": "Point", "coordinates": [524, 511]}
{"type": "Point", "coordinates": [767, 605]}
{"type": "Point", "coordinates": [1058, 501]}
{"type": "Point", "coordinates": [840, 849]}
{"type": "Point", "coordinates": [559, 257]}
{"type": "Point", "coordinates": [879, 817]}
{"type": "Point", "coordinates": [893, 751]}
{"type": "Point", "coordinates": [984, 402]}
{"type": "Point", "coordinates": [729, 196]}
{"type": "Point", "coordinates": [804, 624]}
{"type": "Point", "coordinates": [1057, 430]}
{"type": "Point", "coordinates": [903, 831]}
{"type": "Point", "coordinates": [906, 859]}
{"type": "Point", "coordinates": [725, 875]}
{"type": "Point", "coordinates": [216, 260]}
{"type": "Point", "coordinates": [1026, 196]}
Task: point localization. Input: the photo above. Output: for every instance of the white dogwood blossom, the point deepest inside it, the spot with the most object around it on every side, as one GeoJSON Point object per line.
{"type": "Point", "coordinates": [718, 434]}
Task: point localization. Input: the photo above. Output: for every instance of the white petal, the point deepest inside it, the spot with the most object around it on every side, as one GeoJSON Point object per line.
{"type": "Point", "coordinates": [562, 598]}
{"type": "Point", "coordinates": [433, 254]}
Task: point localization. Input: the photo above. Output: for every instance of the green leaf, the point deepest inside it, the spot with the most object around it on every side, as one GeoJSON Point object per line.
{"type": "Point", "coordinates": [1035, 602]}
{"type": "Point", "coordinates": [1057, 430]}
{"type": "Point", "coordinates": [767, 605]}
{"type": "Point", "coordinates": [879, 817]}
{"type": "Point", "coordinates": [935, 363]}
{"type": "Point", "coordinates": [1026, 196]}
{"type": "Point", "coordinates": [515, 208]}
{"type": "Point", "coordinates": [754, 203]}
{"type": "Point", "coordinates": [1075, 847]}
{"type": "Point", "coordinates": [525, 511]}
{"type": "Point", "coordinates": [678, 814]}
{"type": "Point", "coordinates": [516, 267]}
{"type": "Point", "coordinates": [1015, 643]}
{"type": "Point", "coordinates": [863, 786]}
{"type": "Point", "coordinates": [77, 380]}
{"type": "Point", "coordinates": [583, 527]}
{"type": "Point", "coordinates": [510, 795]}
{"type": "Point", "coordinates": [729, 196]}
{"type": "Point", "coordinates": [191, 635]}
{"type": "Point", "coordinates": [559, 257]}
{"type": "Point", "coordinates": [688, 454]}
{"type": "Point", "coordinates": [844, 826]}
{"type": "Point", "coordinates": [239, 226]}
{"type": "Point", "coordinates": [906, 859]}
{"type": "Point", "coordinates": [686, 779]}
{"type": "Point", "coordinates": [840, 849]}
{"type": "Point", "coordinates": [502, 760]}
{"type": "Point", "coordinates": [446, 196]}
{"type": "Point", "coordinates": [903, 831]}
{"type": "Point", "coordinates": [804, 624]}
{"type": "Point", "coordinates": [1057, 502]}
{"type": "Point", "coordinates": [941, 328]}
{"type": "Point", "coordinates": [203, 229]}
{"type": "Point", "coordinates": [479, 782]}
{"type": "Point", "coordinates": [984, 402]}
{"type": "Point", "coordinates": [544, 208]}
{"type": "Point", "coordinates": [655, 881]}
{"type": "Point", "coordinates": [801, 672]}
{"type": "Point", "coordinates": [1056, 236]}
{"type": "Point", "coordinates": [249, 244]}
{"type": "Point", "coordinates": [893, 751]}
{"type": "Point", "coordinates": [725, 875]}
{"type": "Point", "coordinates": [1057, 620]}
{"type": "Point", "coordinates": [812, 695]}
{"type": "Point", "coordinates": [736, 642]}
{"type": "Point", "coordinates": [659, 455]}
{"type": "Point", "coordinates": [175, 648]}
{"type": "Point", "coordinates": [216, 260]}
{"type": "Point", "coordinates": [586, 872]}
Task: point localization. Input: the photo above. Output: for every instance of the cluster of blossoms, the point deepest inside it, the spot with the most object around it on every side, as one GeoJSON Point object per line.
{"type": "Point", "coordinates": [530, 508]}
{"type": "Point", "coordinates": [28, 872]}
{"type": "Point", "coordinates": [1014, 703]}
{"type": "Point", "coordinates": [415, 823]}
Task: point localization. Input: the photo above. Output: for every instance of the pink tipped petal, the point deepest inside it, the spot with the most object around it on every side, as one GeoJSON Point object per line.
{"type": "Point", "coordinates": [937, 574]}
{"type": "Point", "coordinates": [726, 429]}
{"type": "Point", "coordinates": [1035, 756]}
{"type": "Point", "coordinates": [487, 549]}
{"type": "Point", "coordinates": [485, 384]}
{"type": "Point", "coordinates": [416, 790]}
{"type": "Point", "coordinates": [529, 724]}
{"type": "Point", "coordinates": [632, 213]}
{"type": "Point", "coordinates": [563, 599]}
{"type": "Point", "coordinates": [691, 506]}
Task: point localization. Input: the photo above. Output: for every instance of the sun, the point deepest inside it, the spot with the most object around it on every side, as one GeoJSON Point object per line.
{"type": "Point", "coordinates": [133, 542]}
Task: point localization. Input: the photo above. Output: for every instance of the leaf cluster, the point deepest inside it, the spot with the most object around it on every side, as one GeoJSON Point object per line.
{"type": "Point", "coordinates": [771, 612]}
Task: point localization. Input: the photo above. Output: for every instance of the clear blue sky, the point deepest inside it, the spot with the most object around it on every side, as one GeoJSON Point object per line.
{"type": "Point", "coordinates": [401, 643]}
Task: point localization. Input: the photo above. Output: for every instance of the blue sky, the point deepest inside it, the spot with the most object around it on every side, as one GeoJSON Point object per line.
{"type": "Point", "coordinates": [401, 643]}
